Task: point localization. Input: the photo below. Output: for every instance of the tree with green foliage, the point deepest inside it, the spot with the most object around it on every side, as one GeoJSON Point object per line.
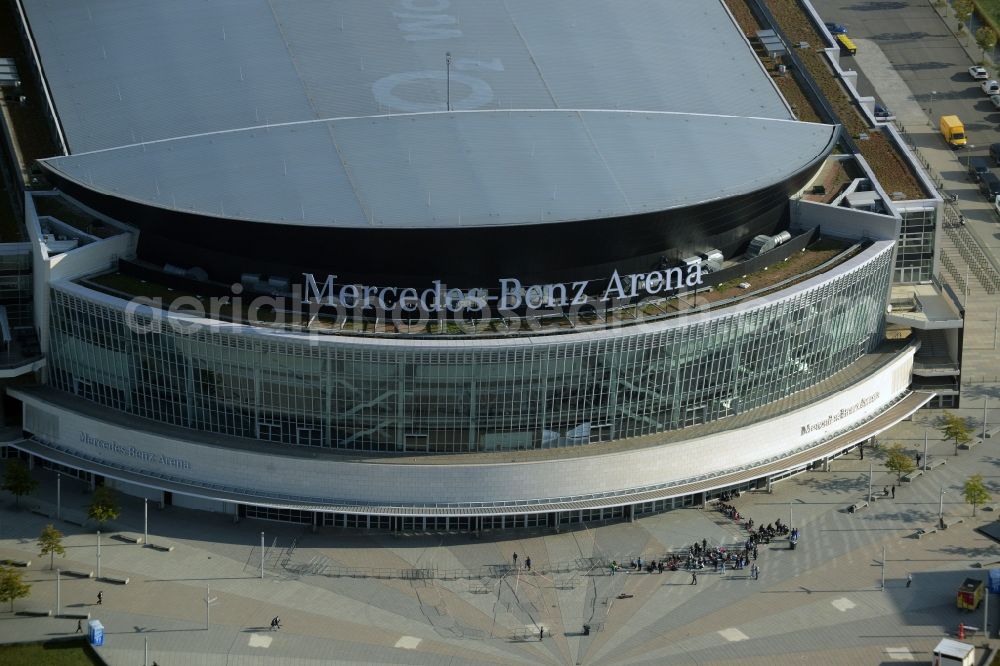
{"type": "Point", "coordinates": [899, 461]}
{"type": "Point", "coordinates": [975, 492]}
{"type": "Point", "coordinates": [956, 429]}
{"type": "Point", "coordinates": [963, 10]}
{"type": "Point", "coordinates": [12, 586]}
{"type": "Point", "coordinates": [986, 39]}
{"type": "Point", "coordinates": [104, 505]}
{"type": "Point", "coordinates": [17, 479]}
{"type": "Point", "coordinates": [50, 543]}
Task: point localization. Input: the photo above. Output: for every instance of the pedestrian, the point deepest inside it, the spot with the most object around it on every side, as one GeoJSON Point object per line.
{"type": "Point", "coordinates": [272, 623]}
{"type": "Point", "coordinates": [277, 622]}
{"type": "Point", "coordinates": [909, 579]}
{"type": "Point", "coordinates": [515, 559]}
{"type": "Point", "coordinates": [861, 450]}
{"type": "Point", "coordinates": [893, 491]}
{"type": "Point", "coordinates": [100, 597]}
{"type": "Point", "coordinates": [527, 563]}
{"type": "Point", "coordinates": [79, 626]}
{"type": "Point", "coordinates": [694, 577]}
{"type": "Point", "coordinates": [918, 459]}
{"type": "Point", "coordinates": [541, 633]}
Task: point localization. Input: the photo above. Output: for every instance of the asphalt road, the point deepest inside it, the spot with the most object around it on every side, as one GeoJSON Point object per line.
{"type": "Point", "coordinates": [926, 55]}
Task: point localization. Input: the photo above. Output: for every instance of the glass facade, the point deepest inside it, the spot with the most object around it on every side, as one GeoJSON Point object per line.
{"type": "Point", "coordinates": [915, 253]}
{"type": "Point", "coordinates": [469, 395]}
{"type": "Point", "coordinates": [15, 288]}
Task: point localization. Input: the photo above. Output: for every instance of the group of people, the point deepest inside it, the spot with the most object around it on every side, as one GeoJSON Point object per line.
{"type": "Point", "coordinates": [527, 562]}
{"type": "Point", "coordinates": [700, 555]}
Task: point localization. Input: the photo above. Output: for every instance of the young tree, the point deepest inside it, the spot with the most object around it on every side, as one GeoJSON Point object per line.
{"type": "Point", "coordinates": [975, 492]}
{"type": "Point", "coordinates": [899, 461]}
{"type": "Point", "coordinates": [50, 543]}
{"type": "Point", "coordinates": [12, 586]}
{"type": "Point", "coordinates": [963, 10]}
{"type": "Point", "coordinates": [955, 428]}
{"type": "Point", "coordinates": [986, 39]}
{"type": "Point", "coordinates": [104, 506]}
{"type": "Point", "coordinates": [17, 479]}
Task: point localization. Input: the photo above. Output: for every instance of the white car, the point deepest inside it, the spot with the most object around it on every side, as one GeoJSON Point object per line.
{"type": "Point", "coordinates": [996, 204]}
{"type": "Point", "coordinates": [978, 72]}
{"type": "Point", "coordinates": [990, 87]}
{"type": "Point", "coordinates": [996, 101]}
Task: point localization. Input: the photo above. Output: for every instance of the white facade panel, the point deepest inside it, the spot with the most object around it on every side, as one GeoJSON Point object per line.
{"type": "Point", "coordinates": [321, 478]}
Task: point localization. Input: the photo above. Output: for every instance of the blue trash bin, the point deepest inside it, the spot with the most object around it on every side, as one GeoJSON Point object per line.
{"type": "Point", "coordinates": [95, 632]}
{"type": "Point", "coordinates": [994, 581]}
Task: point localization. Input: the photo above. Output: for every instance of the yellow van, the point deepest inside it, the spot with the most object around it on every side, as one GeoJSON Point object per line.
{"type": "Point", "coordinates": [846, 45]}
{"type": "Point", "coordinates": [953, 131]}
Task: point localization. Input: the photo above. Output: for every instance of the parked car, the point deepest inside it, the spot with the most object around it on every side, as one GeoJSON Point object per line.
{"type": "Point", "coordinates": [978, 72]}
{"type": "Point", "coordinates": [996, 205]}
{"type": "Point", "coordinates": [995, 153]}
{"type": "Point", "coordinates": [989, 185]}
{"type": "Point", "coordinates": [836, 28]}
{"type": "Point", "coordinates": [990, 87]}
{"type": "Point", "coordinates": [882, 113]}
{"type": "Point", "coordinates": [996, 101]}
{"type": "Point", "coordinates": [977, 168]}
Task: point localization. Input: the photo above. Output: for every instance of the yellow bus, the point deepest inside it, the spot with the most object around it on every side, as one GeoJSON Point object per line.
{"type": "Point", "coordinates": [846, 45]}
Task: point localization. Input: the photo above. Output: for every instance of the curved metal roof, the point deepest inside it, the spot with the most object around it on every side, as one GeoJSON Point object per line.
{"type": "Point", "coordinates": [320, 112]}
{"type": "Point", "coordinates": [457, 169]}
{"type": "Point", "coordinates": [143, 70]}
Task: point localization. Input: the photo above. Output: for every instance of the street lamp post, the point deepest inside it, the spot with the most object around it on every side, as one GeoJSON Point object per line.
{"type": "Point", "coordinates": [925, 450]}
{"type": "Point", "coordinates": [996, 325]}
{"type": "Point", "coordinates": [930, 109]}
{"type": "Point", "coordinates": [986, 405]}
{"type": "Point", "coordinates": [209, 600]}
{"type": "Point", "coordinates": [968, 156]}
{"type": "Point", "coordinates": [941, 508]}
{"type": "Point", "coordinates": [59, 495]}
{"type": "Point", "coordinates": [883, 568]}
{"type": "Point", "coordinates": [871, 473]}
{"type": "Point", "coordinates": [98, 553]}
{"type": "Point", "coordinates": [447, 65]}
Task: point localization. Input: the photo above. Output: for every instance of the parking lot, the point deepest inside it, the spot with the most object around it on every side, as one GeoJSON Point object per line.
{"type": "Point", "coordinates": [919, 70]}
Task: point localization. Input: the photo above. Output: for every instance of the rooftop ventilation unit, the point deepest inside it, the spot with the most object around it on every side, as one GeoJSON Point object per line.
{"type": "Point", "coordinates": [761, 244]}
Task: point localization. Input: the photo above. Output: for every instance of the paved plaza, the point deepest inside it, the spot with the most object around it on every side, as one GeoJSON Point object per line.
{"type": "Point", "coordinates": [456, 599]}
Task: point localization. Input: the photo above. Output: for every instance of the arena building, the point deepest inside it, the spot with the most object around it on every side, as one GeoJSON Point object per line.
{"type": "Point", "coordinates": [444, 264]}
